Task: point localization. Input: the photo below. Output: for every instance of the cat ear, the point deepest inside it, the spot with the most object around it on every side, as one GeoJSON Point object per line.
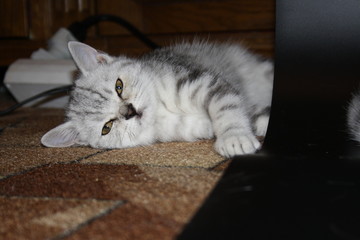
{"type": "Point", "coordinates": [86, 57]}
{"type": "Point", "coordinates": [63, 135]}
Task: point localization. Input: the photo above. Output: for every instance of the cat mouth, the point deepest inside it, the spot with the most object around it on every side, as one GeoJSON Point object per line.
{"type": "Point", "coordinates": [132, 112]}
{"type": "Point", "coordinates": [139, 115]}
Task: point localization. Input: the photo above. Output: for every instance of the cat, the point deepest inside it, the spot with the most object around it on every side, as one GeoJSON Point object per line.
{"type": "Point", "coordinates": [353, 117]}
{"type": "Point", "coordinates": [185, 92]}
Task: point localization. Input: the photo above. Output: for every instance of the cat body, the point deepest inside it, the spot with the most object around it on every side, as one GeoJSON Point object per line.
{"type": "Point", "coordinates": [353, 117]}
{"type": "Point", "coordinates": [184, 92]}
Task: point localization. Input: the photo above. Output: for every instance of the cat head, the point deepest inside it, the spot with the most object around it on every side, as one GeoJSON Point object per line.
{"type": "Point", "coordinates": [111, 105]}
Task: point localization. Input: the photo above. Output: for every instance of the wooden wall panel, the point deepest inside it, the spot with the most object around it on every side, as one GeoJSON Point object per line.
{"type": "Point", "coordinates": [40, 19]}
{"type": "Point", "coordinates": [66, 12]}
{"type": "Point", "coordinates": [163, 17]}
{"type": "Point", "coordinates": [14, 18]}
{"type": "Point", "coordinates": [208, 16]}
{"type": "Point", "coordinates": [11, 50]}
{"type": "Point", "coordinates": [127, 9]}
{"type": "Point", "coordinates": [260, 42]}
{"type": "Point", "coordinates": [50, 15]}
{"type": "Point", "coordinates": [164, 21]}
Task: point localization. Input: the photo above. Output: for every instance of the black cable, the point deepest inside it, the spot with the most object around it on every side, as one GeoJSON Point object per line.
{"type": "Point", "coordinates": [79, 30]}
{"type": "Point", "coordinates": [43, 94]}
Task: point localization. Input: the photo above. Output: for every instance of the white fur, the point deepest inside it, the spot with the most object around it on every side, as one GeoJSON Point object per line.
{"type": "Point", "coordinates": [353, 118]}
{"type": "Point", "coordinates": [167, 112]}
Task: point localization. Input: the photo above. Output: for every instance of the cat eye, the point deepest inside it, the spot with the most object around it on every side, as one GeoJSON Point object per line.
{"type": "Point", "coordinates": [107, 127]}
{"type": "Point", "coordinates": [119, 87]}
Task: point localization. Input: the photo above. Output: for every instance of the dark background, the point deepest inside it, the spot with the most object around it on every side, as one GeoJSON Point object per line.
{"type": "Point", "coordinates": [304, 183]}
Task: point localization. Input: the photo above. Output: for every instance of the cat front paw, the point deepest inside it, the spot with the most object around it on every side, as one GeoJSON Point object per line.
{"type": "Point", "coordinates": [229, 146]}
{"type": "Point", "coordinates": [261, 125]}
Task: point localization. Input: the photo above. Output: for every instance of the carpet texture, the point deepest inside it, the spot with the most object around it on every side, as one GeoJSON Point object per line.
{"type": "Point", "coordinates": [83, 193]}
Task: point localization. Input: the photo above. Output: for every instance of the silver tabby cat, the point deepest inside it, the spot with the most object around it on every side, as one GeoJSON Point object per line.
{"type": "Point", "coordinates": [353, 117]}
{"type": "Point", "coordinates": [185, 92]}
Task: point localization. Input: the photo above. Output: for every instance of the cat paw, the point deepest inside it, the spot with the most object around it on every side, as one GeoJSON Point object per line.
{"type": "Point", "coordinates": [236, 145]}
{"type": "Point", "coordinates": [261, 125]}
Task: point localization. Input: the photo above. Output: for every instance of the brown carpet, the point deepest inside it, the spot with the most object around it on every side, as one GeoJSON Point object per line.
{"type": "Point", "coordinates": [83, 193]}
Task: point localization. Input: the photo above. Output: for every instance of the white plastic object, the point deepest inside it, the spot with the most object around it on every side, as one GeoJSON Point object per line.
{"type": "Point", "coordinates": [28, 77]}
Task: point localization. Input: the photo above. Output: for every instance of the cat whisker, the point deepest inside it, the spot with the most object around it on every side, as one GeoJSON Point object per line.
{"type": "Point", "coordinates": [188, 91]}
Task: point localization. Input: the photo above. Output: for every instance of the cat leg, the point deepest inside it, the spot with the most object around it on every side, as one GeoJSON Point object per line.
{"type": "Point", "coordinates": [232, 128]}
{"type": "Point", "coordinates": [261, 124]}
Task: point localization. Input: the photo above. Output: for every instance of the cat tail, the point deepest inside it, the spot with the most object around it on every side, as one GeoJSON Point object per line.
{"type": "Point", "coordinates": [353, 117]}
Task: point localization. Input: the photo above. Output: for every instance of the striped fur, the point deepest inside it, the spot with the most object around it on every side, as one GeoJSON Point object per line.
{"type": "Point", "coordinates": [185, 92]}
{"type": "Point", "coordinates": [353, 117]}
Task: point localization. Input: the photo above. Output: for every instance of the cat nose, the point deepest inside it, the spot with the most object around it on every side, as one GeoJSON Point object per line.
{"type": "Point", "coordinates": [131, 112]}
